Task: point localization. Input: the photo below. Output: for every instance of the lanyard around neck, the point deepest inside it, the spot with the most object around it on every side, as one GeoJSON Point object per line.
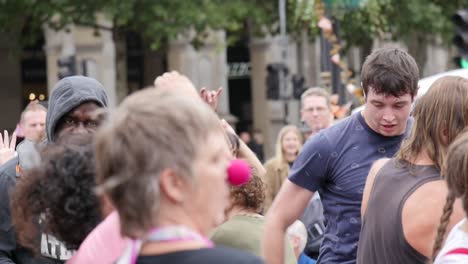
{"type": "Point", "coordinates": [176, 234]}
{"type": "Point", "coordinates": [168, 234]}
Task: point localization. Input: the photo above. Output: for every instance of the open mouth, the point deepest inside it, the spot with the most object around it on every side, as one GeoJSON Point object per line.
{"type": "Point", "coordinates": [388, 127]}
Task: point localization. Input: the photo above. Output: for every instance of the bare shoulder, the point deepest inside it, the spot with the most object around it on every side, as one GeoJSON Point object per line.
{"type": "Point", "coordinates": [375, 168]}
{"type": "Point", "coordinates": [421, 215]}
{"type": "Point", "coordinates": [428, 199]}
{"type": "Point", "coordinates": [378, 164]}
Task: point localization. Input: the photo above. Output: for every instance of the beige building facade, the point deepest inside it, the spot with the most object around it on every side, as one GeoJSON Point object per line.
{"type": "Point", "coordinates": [206, 66]}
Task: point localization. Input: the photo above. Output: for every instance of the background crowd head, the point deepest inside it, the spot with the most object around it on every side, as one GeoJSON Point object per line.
{"type": "Point", "coordinates": [439, 116]}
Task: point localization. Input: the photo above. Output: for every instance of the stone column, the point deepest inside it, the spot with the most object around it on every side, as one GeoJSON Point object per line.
{"type": "Point", "coordinates": [94, 52]}
{"type": "Point", "coordinates": [153, 65]}
{"type": "Point", "coordinates": [53, 48]}
{"type": "Point", "coordinates": [268, 115]}
{"type": "Point", "coordinates": [260, 106]}
{"type": "Point", "coordinates": [437, 58]}
{"type": "Point", "coordinates": [106, 59]}
{"type": "Point", "coordinates": [10, 74]}
{"type": "Point", "coordinates": [205, 67]}
{"type": "Point", "coordinates": [314, 57]}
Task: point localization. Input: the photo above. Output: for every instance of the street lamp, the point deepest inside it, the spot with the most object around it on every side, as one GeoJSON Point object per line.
{"type": "Point", "coordinates": [284, 94]}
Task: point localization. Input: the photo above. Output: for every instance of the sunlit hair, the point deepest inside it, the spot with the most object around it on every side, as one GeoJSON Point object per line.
{"type": "Point", "coordinates": [279, 153]}
{"type": "Point", "coordinates": [439, 116]}
{"type": "Point", "coordinates": [390, 71]}
{"type": "Point", "coordinates": [455, 171]}
{"type": "Point", "coordinates": [149, 132]}
{"type": "Point", "coordinates": [32, 107]}
{"type": "Point", "coordinates": [298, 230]}
{"type": "Point", "coordinates": [316, 91]}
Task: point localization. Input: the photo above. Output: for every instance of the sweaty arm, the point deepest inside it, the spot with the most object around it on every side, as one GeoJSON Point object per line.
{"type": "Point", "coordinates": [288, 206]}
{"type": "Point", "coordinates": [370, 182]}
{"type": "Point", "coordinates": [246, 153]}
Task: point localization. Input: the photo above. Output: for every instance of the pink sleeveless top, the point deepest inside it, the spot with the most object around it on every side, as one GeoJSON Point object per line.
{"type": "Point", "coordinates": [103, 245]}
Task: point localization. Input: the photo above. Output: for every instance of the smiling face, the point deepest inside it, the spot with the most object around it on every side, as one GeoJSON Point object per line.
{"type": "Point", "coordinates": [290, 142]}
{"type": "Point", "coordinates": [387, 114]}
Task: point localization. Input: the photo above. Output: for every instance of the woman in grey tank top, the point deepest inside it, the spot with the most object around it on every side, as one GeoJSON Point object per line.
{"type": "Point", "coordinates": [404, 197]}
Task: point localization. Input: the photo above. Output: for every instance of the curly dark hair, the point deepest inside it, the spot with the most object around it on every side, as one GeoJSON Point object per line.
{"type": "Point", "coordinates": [250, 195]}
{"type": "Point", "coordinates": [57, 197]}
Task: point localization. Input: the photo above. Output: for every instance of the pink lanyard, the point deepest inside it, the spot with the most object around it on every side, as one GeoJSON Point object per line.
{"type": "Point", "coordinates": [168, 234]}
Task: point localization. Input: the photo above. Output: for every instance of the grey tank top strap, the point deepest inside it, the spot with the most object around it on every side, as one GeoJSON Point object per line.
{"type": "Point", "coordinates": [382, 239]}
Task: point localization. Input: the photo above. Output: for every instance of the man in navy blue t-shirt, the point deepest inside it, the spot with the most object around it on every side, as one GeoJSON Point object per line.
{"type": "Point", "coordinates": [335, 162]}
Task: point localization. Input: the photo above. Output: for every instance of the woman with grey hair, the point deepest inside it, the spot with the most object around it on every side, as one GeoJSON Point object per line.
{"type": "Point", "coordinates": [162, 161]}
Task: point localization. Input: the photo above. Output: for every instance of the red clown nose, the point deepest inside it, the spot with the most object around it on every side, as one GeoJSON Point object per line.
{"type": "Point", "coordinates": [238, 172]}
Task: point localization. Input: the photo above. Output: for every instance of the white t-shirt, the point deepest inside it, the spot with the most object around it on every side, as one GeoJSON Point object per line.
{"type": "Point", "coordinates": [455, 249]}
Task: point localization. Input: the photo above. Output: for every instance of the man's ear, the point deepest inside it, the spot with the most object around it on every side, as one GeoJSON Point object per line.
{"type": "Point", "coordinates": [173, 186]}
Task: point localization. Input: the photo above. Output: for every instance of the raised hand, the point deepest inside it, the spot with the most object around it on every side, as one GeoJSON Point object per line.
{"type": "Point", "coordinates": [176, 82]}
{"type": "Point", "coordinates": [211, 97]}
{"type": "Point", "coordinates": [7, 148]}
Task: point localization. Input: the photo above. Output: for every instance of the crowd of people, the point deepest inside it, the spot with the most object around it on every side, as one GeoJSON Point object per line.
{"type": "Point", "coordinates": [148, 182]}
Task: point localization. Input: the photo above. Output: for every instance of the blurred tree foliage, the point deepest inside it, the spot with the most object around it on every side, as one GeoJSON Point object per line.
{"type": "Point", "coordinates": [364, 20]}
{"type": "Point", "coordinates": [159, 20]}
{"type": "Point", "coordinates": [156, 20]}
{"type": "Point", "coordinates": [415, 22]}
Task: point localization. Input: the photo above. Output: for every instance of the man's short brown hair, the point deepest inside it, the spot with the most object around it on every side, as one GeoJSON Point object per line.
{"type": "Point", "coordinates": [316, 91]}
{"type": "Point", "coordinates": [390, 71]}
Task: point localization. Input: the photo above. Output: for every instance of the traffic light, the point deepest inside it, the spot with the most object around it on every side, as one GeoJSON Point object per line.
{"type": "Point", "coordinates": [67, 66]}
{"type": "Point", "coordinates": [460, 19]}
{"type": "Point", "coordinates": [298, 86]}
{"type": "Point", "coordinates": [273, 79]}
{"type": "Point", "coordinates": [461, 62]}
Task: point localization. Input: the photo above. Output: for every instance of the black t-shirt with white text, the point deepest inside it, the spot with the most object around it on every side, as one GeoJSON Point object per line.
{"type": "Point", "coordinates": [216, 255]}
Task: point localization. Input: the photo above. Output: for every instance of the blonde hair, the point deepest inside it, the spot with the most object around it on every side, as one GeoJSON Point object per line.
{"type": "Point", "coordinates": [441, 109]}
{"type": "Point", "coordinates": [33, 106]}
{"type": "Point", "coordinates": [149, 132]}
{"type": "Point", "coordinates": [279, 153]}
